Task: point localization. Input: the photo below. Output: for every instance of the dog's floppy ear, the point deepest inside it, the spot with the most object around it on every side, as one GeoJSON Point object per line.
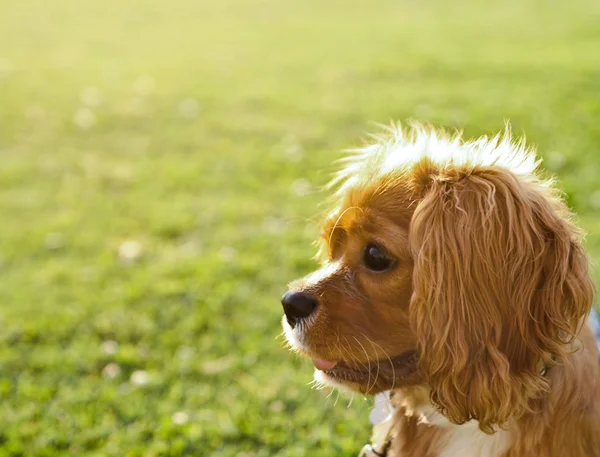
{"type": "Point", "coordinates": [501, 286]}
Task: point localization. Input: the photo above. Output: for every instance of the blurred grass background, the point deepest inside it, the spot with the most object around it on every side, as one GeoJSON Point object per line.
{"type": "Point", "coordinates": [159, 176]}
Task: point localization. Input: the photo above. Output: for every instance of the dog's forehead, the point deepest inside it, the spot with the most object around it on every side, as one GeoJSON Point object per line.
{"type": "Point", "coordinates": [376, 222]}
{"type": "Point", "coordinates": [376, 206]}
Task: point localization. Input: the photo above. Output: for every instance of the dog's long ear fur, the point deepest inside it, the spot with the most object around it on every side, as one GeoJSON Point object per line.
{"type": "Point", "coordinates": [501, 286]}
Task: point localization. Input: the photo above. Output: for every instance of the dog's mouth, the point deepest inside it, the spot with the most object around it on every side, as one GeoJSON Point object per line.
{"type": "Point", "coordinates": [372, 376]}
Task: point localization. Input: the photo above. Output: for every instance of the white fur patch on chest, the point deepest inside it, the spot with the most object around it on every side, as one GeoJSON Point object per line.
{"type": "Point", "coordinates": [468, 441]}
{"type": "Point", "coordinates": [465, 440]}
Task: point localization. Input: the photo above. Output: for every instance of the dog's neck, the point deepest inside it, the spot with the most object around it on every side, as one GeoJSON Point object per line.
{"type": "Point", "coordinates": [420, 430]}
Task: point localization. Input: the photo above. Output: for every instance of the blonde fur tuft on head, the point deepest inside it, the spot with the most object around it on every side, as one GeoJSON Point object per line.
{"type": "Point", "coordinates": [397, 151]}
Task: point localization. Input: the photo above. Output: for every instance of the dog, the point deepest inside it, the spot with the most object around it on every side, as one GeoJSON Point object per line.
{"type": "Point", "coordinates": [454, 277]}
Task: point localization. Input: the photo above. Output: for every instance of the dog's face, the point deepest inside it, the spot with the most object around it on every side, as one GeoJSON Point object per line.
{"type": "Point", "coordinates": [354, 311]}
{"type": "Point", "coordinates": [446, 264]}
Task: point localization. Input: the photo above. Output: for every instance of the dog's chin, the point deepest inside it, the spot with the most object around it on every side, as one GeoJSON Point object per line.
{"type": "Point", "coordinates": [369, 377]}
{"type": "Point", "coordinates": [373, 377]}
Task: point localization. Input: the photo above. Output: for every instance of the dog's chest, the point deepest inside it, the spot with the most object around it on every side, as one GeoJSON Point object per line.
{"type": "Point", "coordinates": [444, 439]}
{"type": "Point", "coordinates": [468, 441]}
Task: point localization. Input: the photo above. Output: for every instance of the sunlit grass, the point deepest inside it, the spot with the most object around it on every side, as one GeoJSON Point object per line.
{"type": "Point", "coordinates": [159, 186]}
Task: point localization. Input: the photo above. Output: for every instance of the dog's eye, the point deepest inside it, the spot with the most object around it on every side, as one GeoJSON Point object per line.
{"type": "Point", "coordinates": [377, 260]}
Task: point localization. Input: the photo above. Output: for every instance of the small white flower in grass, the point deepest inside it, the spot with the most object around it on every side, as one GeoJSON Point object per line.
{"type": "Point", "coordinates": [190, 248]}
{"type": "Point", "coordinates": [110, 347]}
{"type": "Point", "coordinates": [212, 367]}
{"type": "Point", "coordinates": [227, 254]}
{"type": "Point", "coordinates": [594, 199]}
{"type": "Point", "coordinates": [139, 378]}
{"type": "Point", "coordinates": [144, 85]}
{"type": "Point", "coordinates": [301, 187]}
{"type": "Point", "coordinates": [112, 370]}
{"type": "Point", "coordinates": [54, 241]}
{"type": "Point", "coordinates": [84, 118]}
{"type": "Point", "coordinates": [91, 96]}
{"type": "Point", "coordinates": [189, 108]}
{"type": "Point", "coordinates": [292, 149]}
{"type": "Point", "coordinates": [143, 350]}
{"type": "Point", "coordinates": [130, 251]}
{"type": "Point", "coordinates": [180, 418]}
{"type": "Point", "coordinates": [276, 407]}
{"type": "Point", "coordinates": [185, 353]}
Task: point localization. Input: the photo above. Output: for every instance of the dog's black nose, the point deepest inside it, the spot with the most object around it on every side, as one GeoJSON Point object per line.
{"type": "Point", "coordinates": [297, 305]}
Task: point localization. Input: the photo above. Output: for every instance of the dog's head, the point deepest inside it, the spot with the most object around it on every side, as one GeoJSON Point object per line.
{"type": "Point", "coordinates": [447, 264]}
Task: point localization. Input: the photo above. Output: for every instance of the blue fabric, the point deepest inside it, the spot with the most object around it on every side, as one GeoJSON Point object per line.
{"type": "Point", "coordinates": [595, 324]}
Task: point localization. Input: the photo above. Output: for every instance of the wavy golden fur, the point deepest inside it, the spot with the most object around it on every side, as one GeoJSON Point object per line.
{"type": "Point", "coordinates": [481, 316]}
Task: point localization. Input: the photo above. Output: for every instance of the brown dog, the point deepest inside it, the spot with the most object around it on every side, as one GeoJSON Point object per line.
{"type": "Point", "coordinates": [454, 277]}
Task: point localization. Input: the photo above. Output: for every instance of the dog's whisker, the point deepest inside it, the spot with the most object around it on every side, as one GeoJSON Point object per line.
{"type": "Point", "coordinates": [316, 385]}
{"type": "Point", "coordinates": [389, 359]}
{"type": "Point", "coordinates": [351, 400]}
{"type": "Point", "coordinates": [369, 387]}
{"type": "Point", "coordinates": [337, 398]}
{"type": "Point", "coordinates": [330, 393]}
{"type": "Point", "coordinates": [377, 359]}
{"type": "Point", "coordinates": [345, 350]}
{"type": "Point", "coordinates": [352, 360]}
{"type": "Point", "coordinates": [339, 218]}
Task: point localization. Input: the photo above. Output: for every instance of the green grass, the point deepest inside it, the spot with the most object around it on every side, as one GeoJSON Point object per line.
{"type": "Point", "coordinates": [202, 130]}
